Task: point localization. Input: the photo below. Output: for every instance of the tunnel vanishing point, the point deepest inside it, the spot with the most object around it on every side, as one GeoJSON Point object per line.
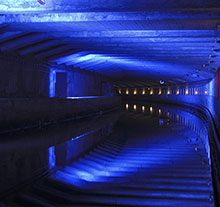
{"type": "Point", "coordinates": [110, 103]}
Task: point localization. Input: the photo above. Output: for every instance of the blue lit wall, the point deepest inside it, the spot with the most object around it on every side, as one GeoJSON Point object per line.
{"type": "Point", "coordinates": [65, 153]}
{"type": "Point", "coordinates": [52, 82]}
{"type": "Point", "coordinates": [52, 157]}
{"type": "Point", "coordinates": [134, 4]}
{"type": "Point", "coordinates": [82, 83]}
{"type": "Point", "coordinates": [41, 5]}
{"type": "Point", "coordinates": [80, 144]}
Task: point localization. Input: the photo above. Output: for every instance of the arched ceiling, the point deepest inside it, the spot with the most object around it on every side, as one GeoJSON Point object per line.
{"type": "Point", "coordinates": [132, 42]}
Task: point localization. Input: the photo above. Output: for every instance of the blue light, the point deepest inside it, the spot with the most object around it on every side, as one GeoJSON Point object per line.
{"type": "Point", "coordinates": [91, 59]}
{"type": "Point", "coordinates": [84, 175]}
{"type": "Point", "coordinates": [161, 82]}
{"type": "Point", "coordinates": [83, 135]}
{"type": "Point", "coordinates": [211, 101]}
{"type": "Point", "coordinates": [52, 157]}
{"type": "Point", "coordinates": [52, 83]}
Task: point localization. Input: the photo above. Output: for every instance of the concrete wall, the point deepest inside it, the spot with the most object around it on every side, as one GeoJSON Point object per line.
{"type": "Point", "coordinates": [81, 83]}
{"type": "Point", "coordinates": [22, 78]}
{"type": "Point", "coordinates": [26, 85]}
{"type": "Point", "coordinates": [20, 113]}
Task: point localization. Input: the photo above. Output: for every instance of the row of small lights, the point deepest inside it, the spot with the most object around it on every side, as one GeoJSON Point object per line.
{"type": "Point", "coordinates": [151, 109]}
{"type": "Point", "coordinates": [144, 108]}
{"type": "Point", "coordinates": [159, 93]}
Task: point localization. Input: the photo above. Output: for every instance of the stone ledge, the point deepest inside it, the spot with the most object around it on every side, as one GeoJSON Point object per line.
{"type": "Point", "coordinates": [31, 112]}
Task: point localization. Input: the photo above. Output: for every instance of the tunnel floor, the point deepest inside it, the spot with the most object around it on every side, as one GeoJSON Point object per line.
{"type": "Point", "coordinates": [147, 161]}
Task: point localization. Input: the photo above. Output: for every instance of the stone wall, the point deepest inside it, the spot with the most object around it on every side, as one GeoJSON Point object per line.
{"type": "Point", "coordinates": [22, 78]}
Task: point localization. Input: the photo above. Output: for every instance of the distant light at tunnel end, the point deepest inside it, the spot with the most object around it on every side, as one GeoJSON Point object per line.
{"type": "Point", "coordinates": [161, 82]}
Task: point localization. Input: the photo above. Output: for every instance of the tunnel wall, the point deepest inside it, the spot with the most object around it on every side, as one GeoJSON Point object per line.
{"type": "Point", "coordinates": [28, 95]}
{"type": "Point", "coordinates": [22, 78]}
{"type": "Point", "coordinates": [81, 83]}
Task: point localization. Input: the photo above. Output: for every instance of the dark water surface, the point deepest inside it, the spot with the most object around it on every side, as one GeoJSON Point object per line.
{"type": "Point", "coordinates": [145, 155]}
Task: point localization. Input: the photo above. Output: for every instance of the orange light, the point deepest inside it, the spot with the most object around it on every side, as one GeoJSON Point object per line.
{"type": "Point", "coordinates": [159, 92]}
{"type": "Point", "coordinates": [143, 108]}
{"type": "Point", "coordinates": [187, 92]}
{"type": "Point", "coordinates": [127, 106]}
{"type": "Point", "coordinates": [177, 92]}
{"type": "Point", "coordinates": [151, 92]}
{"type": "Point", "coordinates": [143, 92]}
{"type": "Point", "coordinates": [151, 109]}
{"type": "Point", "coordinates": [127, 91]}
{"type": "Point", "coordinates": [135, 107]}
{"type": "Point", "coordinates": [135, 91]}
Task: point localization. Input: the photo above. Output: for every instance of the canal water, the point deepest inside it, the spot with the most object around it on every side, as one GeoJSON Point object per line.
{"type": "Point", "coordinates": [145, 155]}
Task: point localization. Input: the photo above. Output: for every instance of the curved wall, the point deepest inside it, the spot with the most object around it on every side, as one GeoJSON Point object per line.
{"type": "Point", "coordinates": [201, 98]}
{"type": "Point", "coordinates": [205, 94]}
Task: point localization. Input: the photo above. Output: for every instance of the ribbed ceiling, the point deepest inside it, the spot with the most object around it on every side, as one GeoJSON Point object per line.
{"type": "Point", "coordinates": [138, 47]}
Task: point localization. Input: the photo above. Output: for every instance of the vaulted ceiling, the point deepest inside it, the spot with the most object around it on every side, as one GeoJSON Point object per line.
{"type": "Point", "coordinates": [133, 41]}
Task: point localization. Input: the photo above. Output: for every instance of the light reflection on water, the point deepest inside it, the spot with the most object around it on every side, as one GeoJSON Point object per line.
{"type": "Point", "coordinates": [164, 115]}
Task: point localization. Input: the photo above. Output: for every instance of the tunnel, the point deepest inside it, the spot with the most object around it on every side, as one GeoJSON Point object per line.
{"type": "Point", "coordinates": [109, 103]}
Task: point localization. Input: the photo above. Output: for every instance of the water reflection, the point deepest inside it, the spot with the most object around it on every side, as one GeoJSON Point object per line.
{"type": "Point", "coordinates": [127, 106]}
{"type": "Point", "coordinates": [159, 110]}
{"type": "Point", "coordinates": [26, 155]}
{"type": "Point", "coordinates": [91, 153]}
{"type": "Point", "coordinates": [161, 122]}
{"type": "Point", "coordinates": [178, 115]}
